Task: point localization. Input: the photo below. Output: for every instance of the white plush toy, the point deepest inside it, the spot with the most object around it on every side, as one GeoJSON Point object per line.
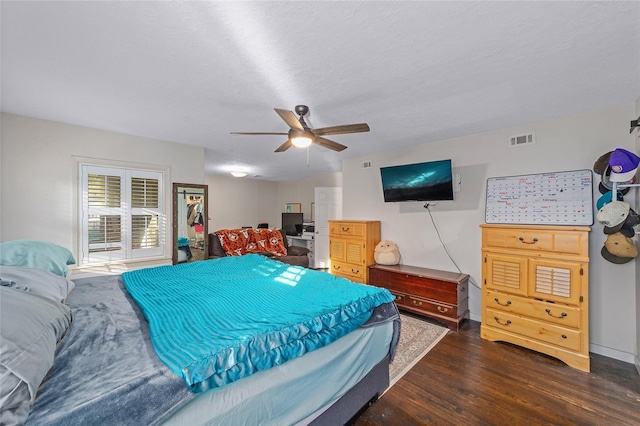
{"type": "Point", "coordinates": [386, 253]}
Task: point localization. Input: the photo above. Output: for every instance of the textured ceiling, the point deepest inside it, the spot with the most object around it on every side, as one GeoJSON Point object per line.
{"type": "Point", "coordinates": [416, 72]}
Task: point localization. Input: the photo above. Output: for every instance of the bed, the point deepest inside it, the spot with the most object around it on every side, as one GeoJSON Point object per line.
{"type": "Point", "coordinates": [106, 367]}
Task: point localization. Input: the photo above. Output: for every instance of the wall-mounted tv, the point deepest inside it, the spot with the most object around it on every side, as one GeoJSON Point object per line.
{"type": "Point", "coordinates": [429, 181]}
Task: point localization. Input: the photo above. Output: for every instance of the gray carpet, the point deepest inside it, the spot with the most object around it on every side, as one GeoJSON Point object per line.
{"type": "Point", "coordinates": [417, 337]}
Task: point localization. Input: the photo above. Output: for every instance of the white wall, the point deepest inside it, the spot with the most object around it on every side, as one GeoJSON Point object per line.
{"type": "Point", "coordinates": [237, 202]}
{"type": "Point", "coordinates": [571, 143]}
{"type": "Point", "coordinates": [303, 191]}
{"type": "Point", "coordinates": [636, 133]}
{"type": "Point", "coordinates": [39, 175]}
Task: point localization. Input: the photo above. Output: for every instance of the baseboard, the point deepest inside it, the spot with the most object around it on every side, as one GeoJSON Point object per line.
{"type": "Point", "coordinates": [613, 353]}
{"type": "Point", "coordinates": [475, 317]}
{"type": "Point", "coordinates": [638, 365]}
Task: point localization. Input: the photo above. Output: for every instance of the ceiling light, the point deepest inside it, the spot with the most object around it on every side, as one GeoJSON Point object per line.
{"type": "Point", "coordinates": [238, 174]}
{"type": "Point", "coordinates": [301, 141]}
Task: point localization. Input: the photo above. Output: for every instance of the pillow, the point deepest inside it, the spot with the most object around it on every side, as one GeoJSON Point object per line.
{"type": "Point", "coordinates": [37, 281]}
{"type": "Point", "coordinates": [36, 254]}
{"type": "Point", "coordinates": [30, 328]}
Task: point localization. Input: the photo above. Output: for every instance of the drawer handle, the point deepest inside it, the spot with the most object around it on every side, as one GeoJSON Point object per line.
{"type": "Point", "coordinates": [535, 240]}
{"type": "Point", "coordinates": [502, 304]}
{"type": "Point", "coordinates": [355, 271]}
{"type": "Point", "coordinates": [336, 267]}
{"type": "Point", "coordinates": [562, 315]}
{"type": "Point", "coordinates": [417, 303]}
{"type": "Point", "coordinates": [398, 297]}
{"type": "Point", "coordinates": [443, 310]}
{"type": "Point", "coordinates": [508, 322]}
{"type": "Point", "coordinates": [345, 229]}
{"type": "Point", "coordinates": [564, 336]}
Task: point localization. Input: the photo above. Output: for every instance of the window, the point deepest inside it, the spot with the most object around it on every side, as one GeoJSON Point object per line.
{"type": "Point", "coordinates": [122, 214]}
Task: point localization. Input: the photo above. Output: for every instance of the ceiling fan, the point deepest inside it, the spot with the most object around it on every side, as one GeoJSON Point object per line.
{"type": "Point", "coordinates": [301, 135]}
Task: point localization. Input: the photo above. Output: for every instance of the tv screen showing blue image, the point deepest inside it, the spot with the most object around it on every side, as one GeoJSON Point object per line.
{"type": "Point", "coordinates": [429, 181]}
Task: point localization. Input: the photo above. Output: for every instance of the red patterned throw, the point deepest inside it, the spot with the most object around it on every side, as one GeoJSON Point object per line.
{"type": "Point", "coordinates": [236, 242]}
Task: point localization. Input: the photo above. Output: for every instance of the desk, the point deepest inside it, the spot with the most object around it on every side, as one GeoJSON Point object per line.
{"type": "Point", "coordinates": [307, 242]}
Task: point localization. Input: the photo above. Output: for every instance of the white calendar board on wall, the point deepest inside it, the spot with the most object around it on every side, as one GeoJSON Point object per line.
{"type": "Point", "coordinates": [561, 198]}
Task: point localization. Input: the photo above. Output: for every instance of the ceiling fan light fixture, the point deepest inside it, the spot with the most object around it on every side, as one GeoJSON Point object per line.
{"type": "Point", "coordinates": [300, 135]}
{"type": "Point", "coordinates": [301, 141]}
{"type": "Point", "coordinates": [238, 174]}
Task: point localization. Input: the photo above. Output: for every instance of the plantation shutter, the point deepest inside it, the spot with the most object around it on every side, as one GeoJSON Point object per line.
{"type": "Point", "coordinates": [122, 214]}
{"type": "Point", "coordinates": [103, 215]}
{"type": "Point", "coordinates": [147, 237]}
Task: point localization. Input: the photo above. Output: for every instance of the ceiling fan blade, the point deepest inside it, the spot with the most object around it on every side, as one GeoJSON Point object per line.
{"type": "Point", "coordinates": [258, 133]}
{"type": "Point", "coordinates": [285, 146]}
{"type": "Point", "coordinates": [290, 118]}
{"type": "Point", "coordinates": [341, 130]}
{"type": "Point", "coordinates": [329, 144]}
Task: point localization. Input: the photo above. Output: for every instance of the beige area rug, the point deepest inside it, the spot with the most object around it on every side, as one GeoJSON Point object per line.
{"type": "Point", "coordinates": [417, 337]}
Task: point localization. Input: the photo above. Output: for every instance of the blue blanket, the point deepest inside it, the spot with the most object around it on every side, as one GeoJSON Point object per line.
{"type": "Point", "coordinates": [218, 321]}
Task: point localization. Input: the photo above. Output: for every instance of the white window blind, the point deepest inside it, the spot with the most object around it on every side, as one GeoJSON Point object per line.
{"type": "Point", "coordinates": [122, 214]}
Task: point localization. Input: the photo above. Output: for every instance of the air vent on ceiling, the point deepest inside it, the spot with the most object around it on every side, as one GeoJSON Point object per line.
{"type": "Point", "coordinates": [520, 140]}
{"type": "Point", "coordinates": [366, 164]}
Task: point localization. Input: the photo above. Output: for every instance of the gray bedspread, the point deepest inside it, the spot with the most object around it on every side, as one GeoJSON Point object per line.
{"type": "Point", "coordinates": [106, 370]}
{"type": "Point", "coordinates": [126, 384]}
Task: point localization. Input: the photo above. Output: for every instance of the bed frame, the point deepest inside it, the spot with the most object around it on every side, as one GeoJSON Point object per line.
{"type": "Point", "coordinates": [357, 399]}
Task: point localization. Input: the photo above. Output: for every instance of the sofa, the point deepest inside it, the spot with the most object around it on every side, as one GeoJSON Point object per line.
{"type": "Point", "coordinates": [267, 242]}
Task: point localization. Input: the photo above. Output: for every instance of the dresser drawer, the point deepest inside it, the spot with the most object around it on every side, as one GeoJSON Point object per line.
{"type": "Point", "coordinates": [443, 291]}
{"type": "Point", "coordinates": [554, 241]}
{"type": "Point", "coordinates": [348, 270]}
{"type": "Point", "coordinates": [347, 229]}
{"type": "Point", "coordinates": [534, 329]}
{"type": "Point", "coordinates": [435, 308]}
{"type": "Point", "coordinates": [566, 316]}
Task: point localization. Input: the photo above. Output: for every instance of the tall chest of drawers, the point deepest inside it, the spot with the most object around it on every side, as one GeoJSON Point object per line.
{"type": "Point", "coordinates": [536, 289]}
{"type": "Point", "coordinates": [351, 247]}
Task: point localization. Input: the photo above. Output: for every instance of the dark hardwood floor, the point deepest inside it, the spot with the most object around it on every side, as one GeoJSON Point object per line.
{"type": "Point", "coordinates": [465, 380]}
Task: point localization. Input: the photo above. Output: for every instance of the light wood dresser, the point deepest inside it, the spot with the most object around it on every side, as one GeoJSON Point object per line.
{"type": "Point", "coordinates": [536, 289]}
{"type": "Point", "coordinates": [351, 247]}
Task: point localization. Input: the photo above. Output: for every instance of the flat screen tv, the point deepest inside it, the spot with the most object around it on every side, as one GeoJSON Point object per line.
{"type": "Point", "coordinates": [292, 223]}
{"type": "Point", "coordinates": [429, 181]}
